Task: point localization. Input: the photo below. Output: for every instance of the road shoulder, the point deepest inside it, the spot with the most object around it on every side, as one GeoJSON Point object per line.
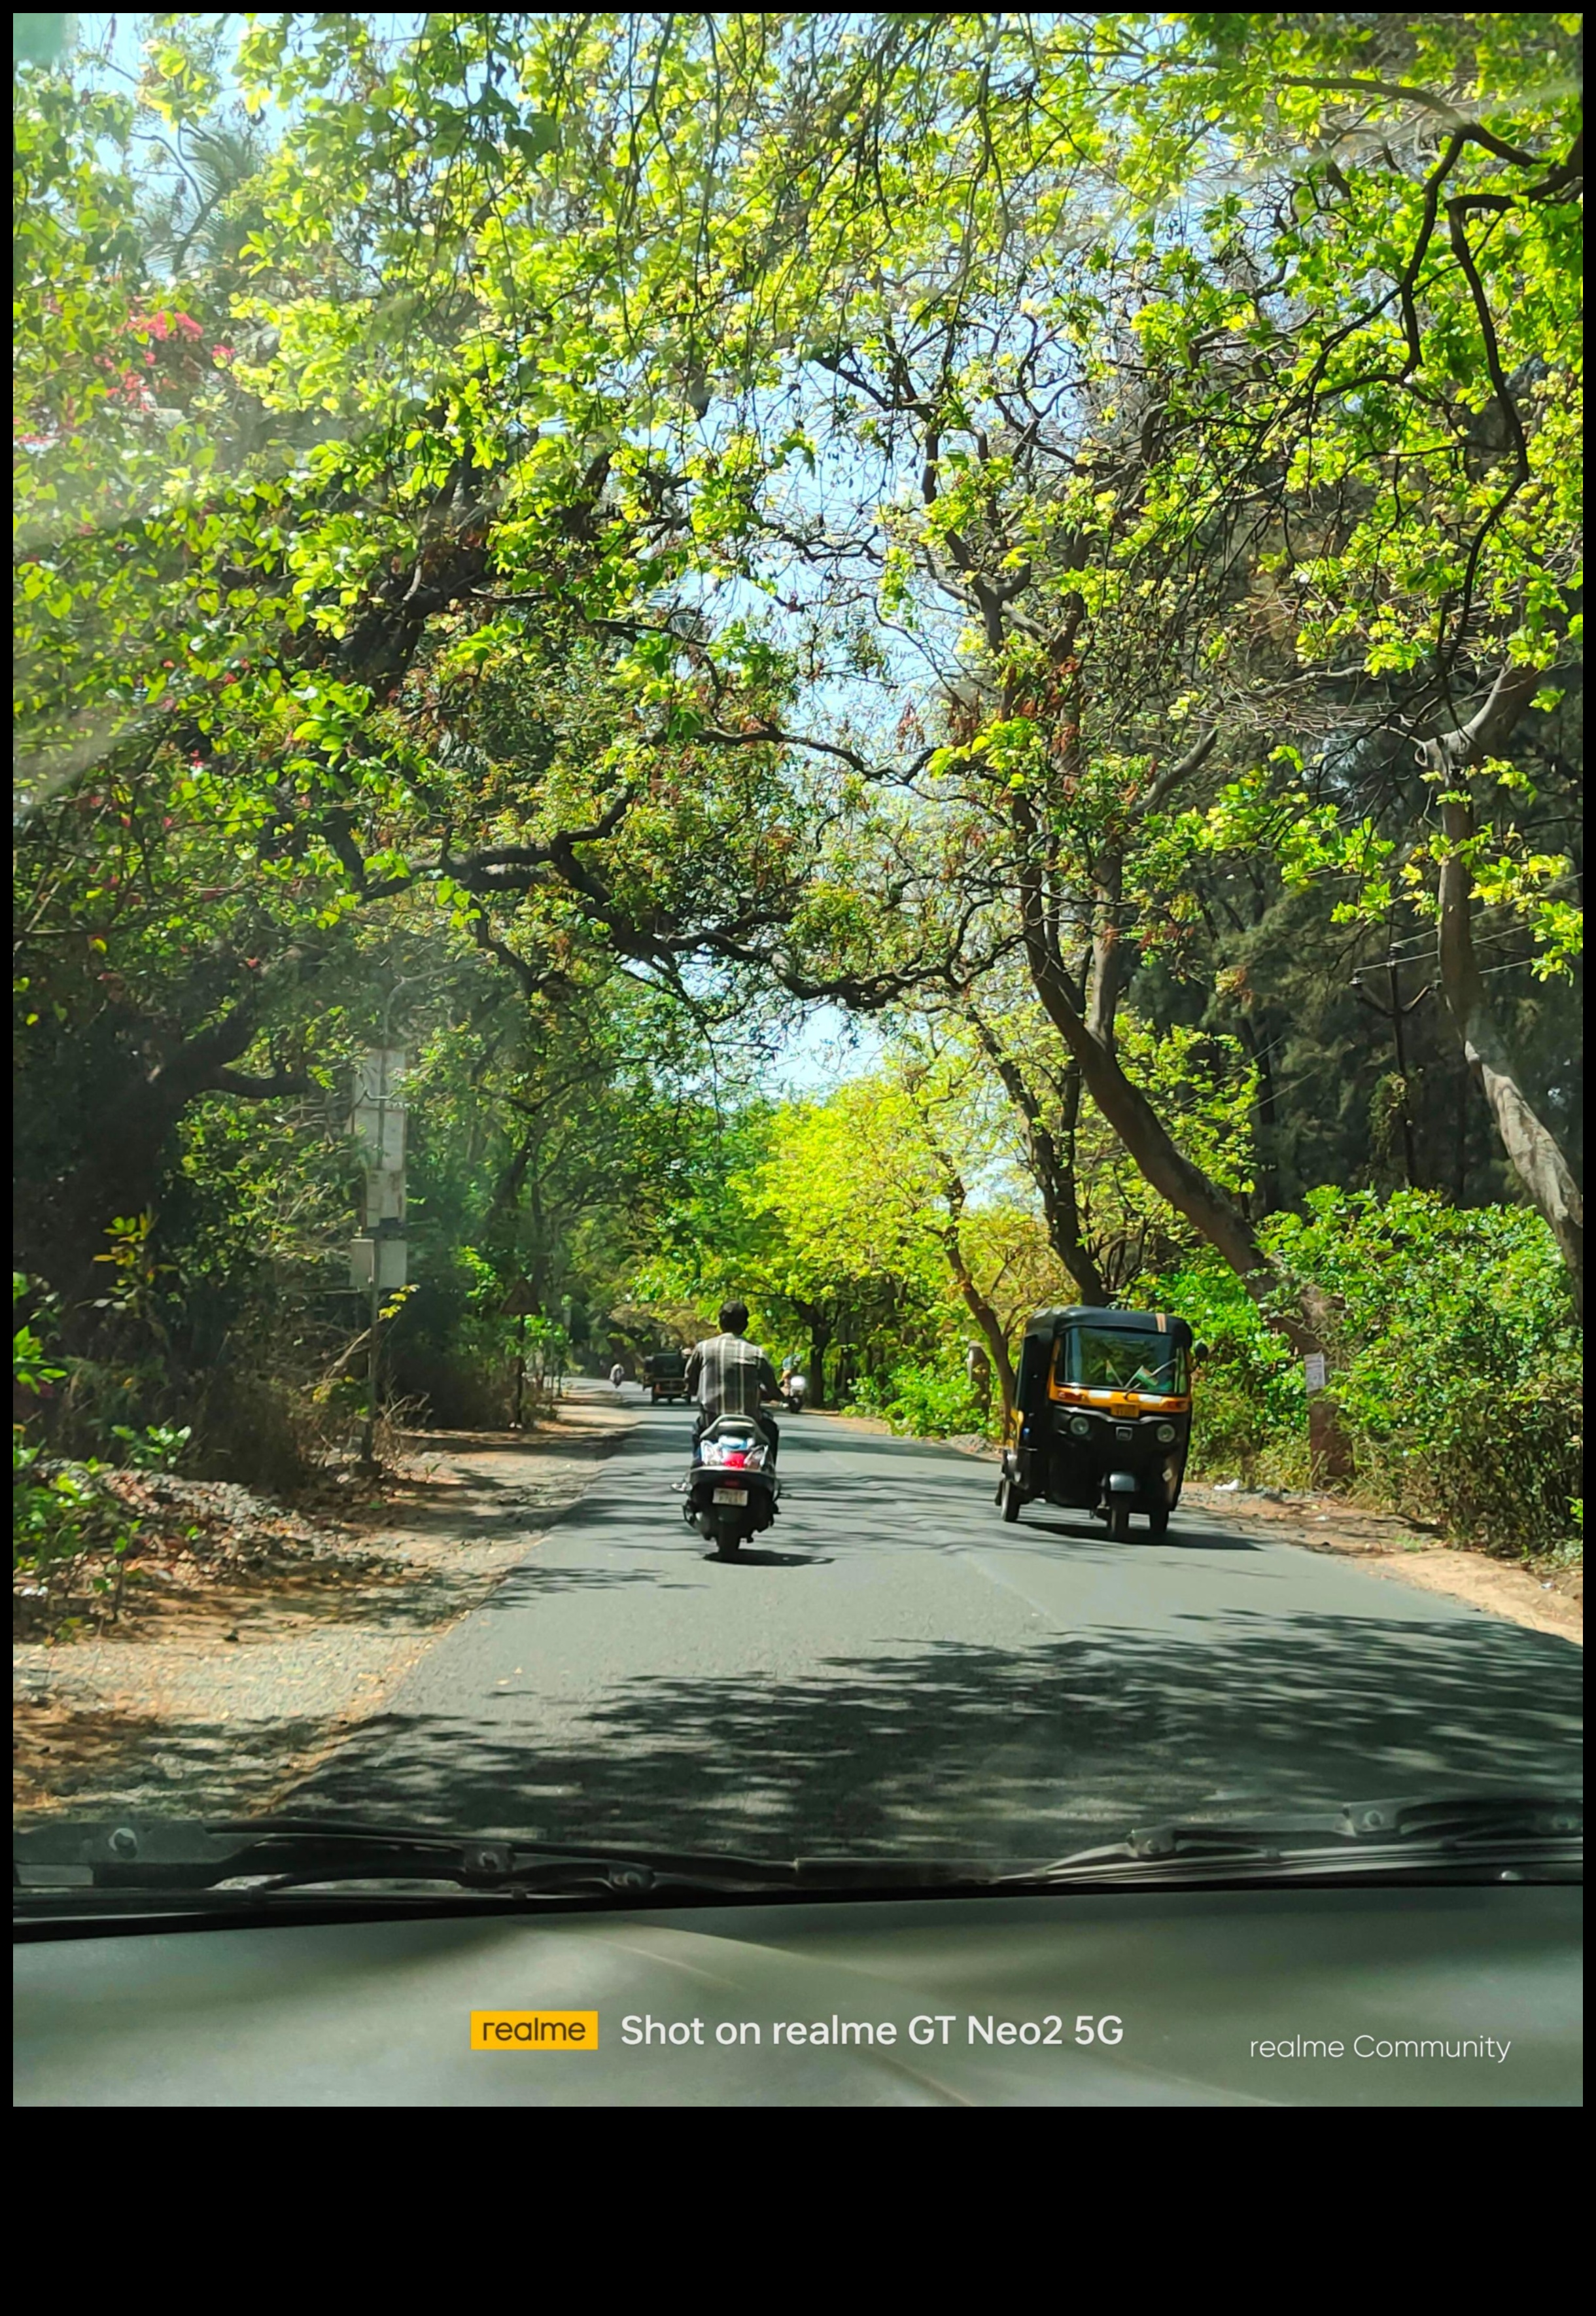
{"type": "Point", "coordinates": [217, 1698]}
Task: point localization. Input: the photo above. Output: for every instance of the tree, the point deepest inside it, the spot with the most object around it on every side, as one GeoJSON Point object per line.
{"type": "Point", "coordinates": [858, 515]}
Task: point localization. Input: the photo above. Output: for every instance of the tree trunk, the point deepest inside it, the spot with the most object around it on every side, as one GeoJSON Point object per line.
{"type": "Point", "coordinates": [1051, 1169]}
{"type": "Point", "coordinates": [1536, 1158]}
{"type": "Point", "coordinates": [1153, 1150]}
{"type": "Point", "coordinates": [819, 1343]}
{"type": "Point", "coordinates": [986, 1318]}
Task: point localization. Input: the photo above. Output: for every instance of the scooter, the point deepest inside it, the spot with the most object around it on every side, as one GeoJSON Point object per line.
{"type": "Point", "coordinates": [732, 1490]}
{"type": "Point", "coordinates": [796, 1388]}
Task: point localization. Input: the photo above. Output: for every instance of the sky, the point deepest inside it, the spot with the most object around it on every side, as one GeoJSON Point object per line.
{"type": "Point", "coordinates": [829, 1046]}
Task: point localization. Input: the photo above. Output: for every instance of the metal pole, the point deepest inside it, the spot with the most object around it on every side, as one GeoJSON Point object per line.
{"type": "Point", "coordinates": [521, 1369]}
{"type": "Point", "coordinates": [1395, 1014]}
{"type": "Point", "coordinates": [1410, 1155]}
{"type": "Point", "coordinates": [369, 1430]}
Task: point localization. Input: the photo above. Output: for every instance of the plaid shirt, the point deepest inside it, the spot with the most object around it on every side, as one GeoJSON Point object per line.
{"type": "Point", "coordinates": [726, 1374]}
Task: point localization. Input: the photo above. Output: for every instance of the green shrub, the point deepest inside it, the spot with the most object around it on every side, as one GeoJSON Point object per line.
{"type": "Point", "coordinates": [1249, 1405]}
{"type": "Point", "coordinates": [60, 1514]}
{"type": "Point", "coordinates": [1454, 1355]}
{"type": "Point", "coordinates": [1456, 1359]}
{"type": "Point", "coordinates": [267, 1433]}
{"type": "Point", "coordinates": [931, 1401]}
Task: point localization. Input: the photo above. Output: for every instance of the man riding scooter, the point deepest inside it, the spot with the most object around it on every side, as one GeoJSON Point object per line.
{"type": "Point", "coordinates": [731, 1489]}
{"type": "Point", "coordinates": [729, 1376]}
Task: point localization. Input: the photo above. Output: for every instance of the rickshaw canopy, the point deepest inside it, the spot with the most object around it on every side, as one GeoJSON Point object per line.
{"type": "Point", "coordinates": [1050, 1325]}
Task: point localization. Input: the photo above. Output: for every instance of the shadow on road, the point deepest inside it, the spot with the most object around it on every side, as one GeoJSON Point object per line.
{"type": "Point", "coordinates": [750, 1556]}
{"type": "Point", "coordinates": [1085, 1529]}
{"type": "Point", "coordinates": [984, 1751]}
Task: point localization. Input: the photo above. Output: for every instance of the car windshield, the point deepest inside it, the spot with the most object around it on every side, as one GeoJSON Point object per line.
{"type": "Point", "coordinates": [1114, 1359]}
{"type": "Point", "coordinates": [643, 644]}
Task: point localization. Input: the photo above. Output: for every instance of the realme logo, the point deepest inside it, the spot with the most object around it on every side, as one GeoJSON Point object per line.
{"type": "Point", "coordinates": [534, 2030]}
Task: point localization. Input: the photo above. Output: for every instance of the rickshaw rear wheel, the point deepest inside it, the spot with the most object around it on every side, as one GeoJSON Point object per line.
{"type": "Point", "coordinates": [1158, 1520]}
{"type": "Point", "coordinates": [1008, 1499]}
{"type": "Point", "coordinates": [1119, 1519]}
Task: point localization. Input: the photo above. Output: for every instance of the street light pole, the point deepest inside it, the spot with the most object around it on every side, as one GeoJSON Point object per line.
{"type": "Point", "coordinates": [377, 1109]}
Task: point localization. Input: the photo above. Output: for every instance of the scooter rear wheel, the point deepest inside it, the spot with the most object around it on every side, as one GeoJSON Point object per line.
{"type": "Point", "coordinates": [728, 1538]}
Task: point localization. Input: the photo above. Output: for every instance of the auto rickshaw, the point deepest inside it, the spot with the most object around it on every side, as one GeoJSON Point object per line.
{"type": "Point", "coordinates": [666, 1375]}
{"type": "Point", "coordinates": [1104, 1416]}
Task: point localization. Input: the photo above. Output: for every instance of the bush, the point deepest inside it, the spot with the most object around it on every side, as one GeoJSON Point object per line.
{"type": "Point", "coordinates": [265, 1433]}
{"type": "Point", "coordinates": [1454, 1354]}
{"type": "Point", "coordinates": [457, 1391]}
{"type": "Point", "coordinates": [1249, 1406]}
{"type": "Point", "coordinates": [931, 1402]}
{"type": "Point", "coordinates": [60, 1514]}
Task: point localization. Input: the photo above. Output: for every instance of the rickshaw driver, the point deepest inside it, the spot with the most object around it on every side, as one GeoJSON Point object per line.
{"type": "Point", "coordinates": [1153, 1379]}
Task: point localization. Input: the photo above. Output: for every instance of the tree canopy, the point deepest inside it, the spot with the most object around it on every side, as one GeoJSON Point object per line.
{"type": "Point", "coordinates": [1057, 534]}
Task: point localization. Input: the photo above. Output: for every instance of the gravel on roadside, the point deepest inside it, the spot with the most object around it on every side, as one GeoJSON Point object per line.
{"type": "Point", "coordinates": [214, 1698]}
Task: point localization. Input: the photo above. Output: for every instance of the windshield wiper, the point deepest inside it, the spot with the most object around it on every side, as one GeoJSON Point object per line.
{"type": "Point", "coordinates": [165, 1864]}
{"type": "Point", "coordinates": [255, 1858]}
{"type": "Point", "coordinates": [175, 1862]}
{"type": "Point", "coordinates": [1419, 1835]}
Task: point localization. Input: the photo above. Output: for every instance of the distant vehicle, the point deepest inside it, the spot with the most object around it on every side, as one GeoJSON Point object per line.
{"type": "Point", "coordinates": [666, 1375]}
{"type": "Point", "coordinates": [796, 1388]}
{"type": "Point", "coordinates": [1103, 1418]}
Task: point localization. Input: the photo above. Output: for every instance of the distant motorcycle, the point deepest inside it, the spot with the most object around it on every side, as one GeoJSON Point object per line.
{"type": "Point", "coordinates": [796, 1389]}
{"type": "Point", "coordinates": [732, 1490]}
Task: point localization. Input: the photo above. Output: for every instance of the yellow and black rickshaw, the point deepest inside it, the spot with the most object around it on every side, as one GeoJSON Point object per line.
{"type": "Point", "coordinates": [1104, 1416]}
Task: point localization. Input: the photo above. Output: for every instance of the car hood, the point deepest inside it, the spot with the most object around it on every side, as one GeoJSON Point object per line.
{"type": "Point", "coordinates": [377, 2013]}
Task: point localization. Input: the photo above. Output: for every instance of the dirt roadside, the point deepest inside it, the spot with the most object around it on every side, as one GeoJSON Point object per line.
{"type": "Point", "coordinates": [1549, 1602]}
{"type": "Point", "coordinates": [218, 1696]}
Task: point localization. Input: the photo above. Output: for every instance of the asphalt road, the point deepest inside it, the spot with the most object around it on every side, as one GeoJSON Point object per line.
{"type": "Point", "coordinates": [891, 1668]}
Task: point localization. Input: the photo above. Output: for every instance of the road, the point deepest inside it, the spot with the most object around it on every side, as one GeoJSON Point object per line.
{"type": "Point", "coordinates": [896, 1672]}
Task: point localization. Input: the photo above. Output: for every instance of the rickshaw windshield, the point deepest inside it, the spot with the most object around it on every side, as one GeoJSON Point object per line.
{"type": "Point", "coordinates": [1104, 1358]}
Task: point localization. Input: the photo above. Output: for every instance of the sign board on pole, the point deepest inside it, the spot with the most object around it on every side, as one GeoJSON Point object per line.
{"type": "Point", "coordinates": [379, 1075]}
{"type": "Point", "coordinates": [379, 1261]}
{"type": "Point", "coordinates": [385, 1196]}
{"type": "Point", "coordinates": [376, 1114]}
{"type": "Point", "coordinates": [377, 1123]}
{"type": "Point", "coordinates": [378, 1128]}
{"type": "Point", "coordinates": [1312, 1371]}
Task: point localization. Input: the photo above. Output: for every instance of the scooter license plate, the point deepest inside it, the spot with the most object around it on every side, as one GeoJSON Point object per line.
{"type": "Point", "coordinates": [731, 1495]}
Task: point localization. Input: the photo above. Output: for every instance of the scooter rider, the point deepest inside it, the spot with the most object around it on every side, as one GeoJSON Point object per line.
{"type": "Point", "coordinates": [729, 1376]}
